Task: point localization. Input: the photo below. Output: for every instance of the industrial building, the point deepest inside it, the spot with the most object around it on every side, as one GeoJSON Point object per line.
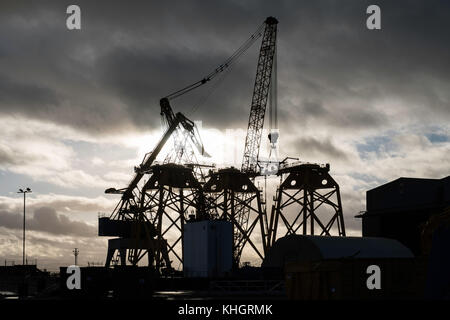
{"type": "Point", "coordinates": [399, 209]}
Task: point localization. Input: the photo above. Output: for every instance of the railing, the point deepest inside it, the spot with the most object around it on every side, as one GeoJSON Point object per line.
{"type": "Point", "coordinates": [297, 163]}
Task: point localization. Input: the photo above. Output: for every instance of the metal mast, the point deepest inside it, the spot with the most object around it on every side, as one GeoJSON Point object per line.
{"type": "Point", "coordinates": [75, 254]}
{"type": "Point", "coordinates": [260, 96]}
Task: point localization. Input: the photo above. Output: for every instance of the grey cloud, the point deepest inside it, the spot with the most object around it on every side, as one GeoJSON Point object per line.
{"type": "Point", "coordinates": [79, 205]}
{"type": "Point", "coordinates": [140, 79]}
{"type": "Point", "coordinates": [61, 203]}
{"type": "Point", "coordinates": [10, 156]}
{"type": "Point", "coordinates": [13, 93]}
{"type": "Point", "coordinates": [332, 115]}
{"type": "Point", "coordinates": [111, 74]}
{"type": "Point", "coordinates": [46, 219]}
{"type": "Point", "coordinates": [51, 252]}
{"type": "Point", "coordinates": [314, 146]}
{"type": "Point", "coordinates": [6, 158]}
{"type": "Point", "coordinates": [314, 108]}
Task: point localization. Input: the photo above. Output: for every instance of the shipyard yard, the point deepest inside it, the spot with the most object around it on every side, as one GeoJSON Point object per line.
{"type": "Point", "coordinates": [292, 181]}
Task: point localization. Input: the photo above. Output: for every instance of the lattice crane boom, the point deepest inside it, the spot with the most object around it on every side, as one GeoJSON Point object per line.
{"type": "Point", "coordinates": [166, 109]}
{"type": "Point", "coordinates": [260, 97]}
{"type": "Point", "coordinates": [150, 157]}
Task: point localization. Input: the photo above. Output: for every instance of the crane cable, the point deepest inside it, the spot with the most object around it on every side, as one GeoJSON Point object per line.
{"type": "Point", "coordinates": [227, 65]}
{"type": "Point", "coordinates": [273, 110]}
{"type": "Point", "coordinates": [202, 100]}
{"type": "Point", "coordinates": [229, 62]}
{"type": "Point", "coordinates": [273, 116]}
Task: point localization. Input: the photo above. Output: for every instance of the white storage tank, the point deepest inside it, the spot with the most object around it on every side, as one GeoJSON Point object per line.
{"type": "Point", "coordinates": [207, 248]}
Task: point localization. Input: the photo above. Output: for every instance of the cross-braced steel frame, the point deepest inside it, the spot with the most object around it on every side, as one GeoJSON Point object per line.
{"type": "Point", "coordinates": [158, 215]}
{"type": "Point", "coordinates": [230, 195]}
{"type": "Point", "coordinates": [307, 198]}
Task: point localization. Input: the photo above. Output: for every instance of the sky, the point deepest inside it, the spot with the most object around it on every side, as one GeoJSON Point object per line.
{"type": "Point", "coordinates": [80, 108]}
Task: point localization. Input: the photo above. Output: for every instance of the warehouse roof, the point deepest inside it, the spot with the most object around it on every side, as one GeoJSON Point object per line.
{"type": "Point", "coordinates": [300, 248]}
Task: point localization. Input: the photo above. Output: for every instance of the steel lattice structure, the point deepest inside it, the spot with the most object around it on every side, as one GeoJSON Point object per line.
{"type": "Point", "coordinates": [306, 189]}
{"type": "Point", "coordinates": [250, 163]}
{"type": "Point", "coordinates": [154, 224]}
{"type": "Point", "coordinates": [150, 216]}
{"type": "Point", "coordinates": [259, 98]}
{"type": "Point", "coordinates": [168, 198]}
{"type": "Point", "coordinates": [139, 218]}
{"type": "Point", "coordinates": [228, 194]}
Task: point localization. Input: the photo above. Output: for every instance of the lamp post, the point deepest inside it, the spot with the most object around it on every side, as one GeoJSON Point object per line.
{"type": "Point", "coordinates": [27, 190]}
{"type": "Point", "coordinates": [75, 253]}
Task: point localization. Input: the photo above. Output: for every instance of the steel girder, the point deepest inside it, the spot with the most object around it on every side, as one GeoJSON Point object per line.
{"type": "Point", "coordinates": [158, 215]}
{"type": "Point", "coordinates": [306, 190]}
{"type": "Point", "coordinates": [230, 195]}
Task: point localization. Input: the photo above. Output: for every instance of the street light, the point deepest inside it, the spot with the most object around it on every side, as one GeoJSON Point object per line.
{"type": "Point", "coordinates": [75, 253]}
{"type": "Point", "coordinates": [28, 190]}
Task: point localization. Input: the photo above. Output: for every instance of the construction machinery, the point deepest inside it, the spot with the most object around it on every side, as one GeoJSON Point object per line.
{"type": "Point", "coordinates": [250, 163]}
{"type": "Point", "coordinates": [138, 203]}
{"type": "Point", "coordinates": [245, 203]}
{"type": "Point", "coordinates": [151, 215]}
{"type": "Point", "coordinates": [140, 233]}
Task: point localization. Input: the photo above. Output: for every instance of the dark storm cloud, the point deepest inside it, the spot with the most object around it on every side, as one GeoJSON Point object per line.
{"type": "Point", "coordinates": [324, 147]}
{"type": "Point", "coordinates": [15, 94]}
{"type": "Point", "coordinates": [46, 219]}
{"type": "Point", "coordinates": [111, 74]}
{"type": "Point", "coordinates": [122, 72]}
{"type": "Point", "coordinates": [346, 116]}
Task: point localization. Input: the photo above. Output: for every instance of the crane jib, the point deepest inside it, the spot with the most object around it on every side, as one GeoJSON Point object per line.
{"type": "Point", "coordinates": [260, 97]}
